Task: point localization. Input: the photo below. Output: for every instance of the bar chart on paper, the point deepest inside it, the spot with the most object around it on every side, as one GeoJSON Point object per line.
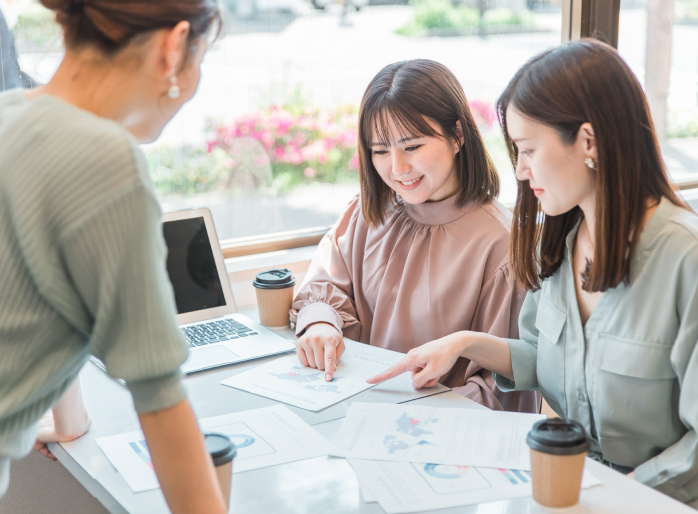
{"type": "Point", "coordinates": [130, 456]}
{"type": "Point", "coordinates": [141, 449]}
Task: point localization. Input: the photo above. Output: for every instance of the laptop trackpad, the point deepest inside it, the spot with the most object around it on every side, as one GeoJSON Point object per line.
{"type": "Point", "coordinates": [208, 358]}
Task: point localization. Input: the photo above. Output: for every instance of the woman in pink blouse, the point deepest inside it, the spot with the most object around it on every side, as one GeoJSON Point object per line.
{"type": "Point", "coordinates": [424, 251]}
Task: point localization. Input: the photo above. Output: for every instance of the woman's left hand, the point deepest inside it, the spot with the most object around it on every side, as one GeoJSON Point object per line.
{"type": "Point", "coordinates": [631, 475]}
{"type": "Point", "coordinates": [48, 434]}
{"type": "Point", "coordinates": [427, 362]}
{"type": "Point", "coordinates": [67, 421]}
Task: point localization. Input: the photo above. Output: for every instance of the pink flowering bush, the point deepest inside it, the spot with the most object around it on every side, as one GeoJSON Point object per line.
{"type": "Point", "coordinates": [302, 143]}
{"type": "Point", "coordinates": [299, 143]}
{"type": "Point", "coordinates": [484, 114]}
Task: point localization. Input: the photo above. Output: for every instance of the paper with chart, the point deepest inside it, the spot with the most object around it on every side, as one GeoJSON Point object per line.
{"type": "Point", "coordinates": [263, 437]}
{"type": "Point", "coordinates": [287, 380]}
{"type": "Point", "coordinates": [267, 437]}
{"type": "Point", "coordinates": [409, 487]}
{"type": "Point", "coordinates": [413, 433]}
{"type": "Point", "coordinates": [129, 454]}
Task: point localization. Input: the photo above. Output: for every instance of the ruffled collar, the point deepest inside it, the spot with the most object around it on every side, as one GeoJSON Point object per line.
{"type": "Point", "coordinates": [435, 213]}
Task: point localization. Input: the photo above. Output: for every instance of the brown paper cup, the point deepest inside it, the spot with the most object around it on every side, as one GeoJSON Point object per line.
{"type": "Point", "coordinates": [222, 452]}
{"type": "Point", "coordinates": [224, 473]}
{"type": "Point", "coordinates": [556, 479]}
{"type": "Point", "coordinates": [273, 305]}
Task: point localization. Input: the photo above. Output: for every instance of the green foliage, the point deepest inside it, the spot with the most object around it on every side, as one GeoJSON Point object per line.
{"type": "Point", "coordinates": [37, 29]}
{"type": "Point", "coordinates": [683, 123]}
{"type": "Point", "coordinates": [293, 142]}
{"type": "Point", "coordinates": [443, 14]}
{"type": "Point", "coordinates": [186, 169]}
{"type": "Point", "coordinates": [431, 14]}
{"type": "Point", "coordinates": [686, 10]}
{"type": "Point", "coordinates": [494, 17]}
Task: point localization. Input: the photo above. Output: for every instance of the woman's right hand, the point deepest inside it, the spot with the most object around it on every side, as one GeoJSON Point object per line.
{"type": "Point", "coordinates": [321, 347]}
{"type": "Point", "coordinates": [427, 362]}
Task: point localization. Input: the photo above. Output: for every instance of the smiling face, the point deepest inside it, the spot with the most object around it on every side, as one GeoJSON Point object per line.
{"type": "Point", "coordinates": [418, 168]}
{"type": "Point", "coordinates": [555, 171]}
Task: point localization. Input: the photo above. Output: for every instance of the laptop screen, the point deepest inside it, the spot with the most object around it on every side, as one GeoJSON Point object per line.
{"type": "Point", "coordinates": [191, 266]}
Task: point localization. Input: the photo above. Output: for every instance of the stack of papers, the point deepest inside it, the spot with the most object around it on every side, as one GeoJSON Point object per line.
{"type": "Point", "coordinates": [410, 487]}
{"type": "Point", "coordinates": [287, 380]}
{"type": "Point", "coordinates": [411, 458]}
{"type": "Point", "coordinates": [263, 437]}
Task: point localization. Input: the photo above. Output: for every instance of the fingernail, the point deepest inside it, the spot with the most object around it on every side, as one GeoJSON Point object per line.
{"type": "Point", "coordinates": [328, 377]}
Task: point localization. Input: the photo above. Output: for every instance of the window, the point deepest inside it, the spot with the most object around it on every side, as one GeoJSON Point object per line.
{"type": "Point", "coordinates": [268, 142]}
{"type": "Point", "coordinates": [659, 39]}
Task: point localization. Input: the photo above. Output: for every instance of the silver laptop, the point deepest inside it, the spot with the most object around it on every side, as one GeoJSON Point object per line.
{"type": "Point", "coordinates": [216, 333]}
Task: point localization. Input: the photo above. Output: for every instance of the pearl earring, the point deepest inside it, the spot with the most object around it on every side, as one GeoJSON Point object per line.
{"type": "Point", "coordinates": [173, 92]}
{"type": "Point", "coordinates": [590, 162]}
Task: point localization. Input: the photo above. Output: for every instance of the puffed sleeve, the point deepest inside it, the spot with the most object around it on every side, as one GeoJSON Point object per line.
{"type": "Point", "coordinates": [497, 314]}
{"type": "Point", "coordinates": [326, 294]}
{"type": "Point", "coordinates": [524, 351]}
{"type": "Point", "coordinates": [675, 470]}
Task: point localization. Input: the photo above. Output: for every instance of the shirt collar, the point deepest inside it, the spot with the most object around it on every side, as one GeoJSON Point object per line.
{"type": "Point", "coordinates": [436, 213]}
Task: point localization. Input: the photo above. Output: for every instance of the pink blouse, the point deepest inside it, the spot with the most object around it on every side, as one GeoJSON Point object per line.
{"type": "Point", "coordinates": [430, 270]}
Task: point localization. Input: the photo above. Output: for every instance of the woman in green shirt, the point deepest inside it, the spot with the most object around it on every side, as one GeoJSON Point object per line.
{"type": "Point", "coordinates": [609, 255]}
{"type": "Point", "coordinates": [82, 257]}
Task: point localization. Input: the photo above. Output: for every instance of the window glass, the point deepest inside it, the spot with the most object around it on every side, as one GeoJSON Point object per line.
{"type": "Point", "coordinates": [268, 142]}
{"type": "Point", "coordinates": [659, 39]}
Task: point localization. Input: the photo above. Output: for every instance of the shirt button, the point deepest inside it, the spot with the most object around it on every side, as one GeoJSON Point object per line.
{"type": "Point", "coordinates": [581, 397]}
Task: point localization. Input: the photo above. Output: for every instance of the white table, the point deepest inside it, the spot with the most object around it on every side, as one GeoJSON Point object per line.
{"type": "Point", "coordinates": [323, 485]}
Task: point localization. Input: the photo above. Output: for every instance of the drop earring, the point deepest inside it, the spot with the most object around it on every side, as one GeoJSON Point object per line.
{"type": "Point", "coordinates": [590, 162]}
{"type": "Point", "coordinates": [173, 92]}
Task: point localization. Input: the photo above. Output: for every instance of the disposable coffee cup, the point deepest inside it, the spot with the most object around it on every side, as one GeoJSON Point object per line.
{"type": "Point", "coordinates": [274, 288]}
{"type": "Point", "coordinates": [558, 448]}
{"type": "Point", "coordinates": [222, 452]}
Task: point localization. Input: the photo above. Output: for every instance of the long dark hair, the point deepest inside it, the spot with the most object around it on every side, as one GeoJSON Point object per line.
{"type": "Point", "coordinates": [409, 93]}
{"type": "Point", "coordinates": [110, 25]}
{"type": "Point", "coordinates": [575, 83]}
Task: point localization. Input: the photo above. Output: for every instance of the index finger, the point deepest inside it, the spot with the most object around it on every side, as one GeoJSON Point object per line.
{"type": "Point", "coordinates": [330, 359]}
{"type": "Point", "coordinates": [405, 364]}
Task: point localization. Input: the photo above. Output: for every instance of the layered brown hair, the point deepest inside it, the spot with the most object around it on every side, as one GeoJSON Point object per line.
{"type": "Point", "coordinates": [110, 25]}
{"type": "Point", "coordinates": [410, 93]}
{"type": "Point", "coordinates": [575, 83]}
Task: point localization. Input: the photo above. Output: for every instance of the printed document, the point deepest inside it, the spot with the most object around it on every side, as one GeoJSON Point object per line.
{"type": "Point", "coordinates": [287, 380]}
{"type": "Point", "coordinates": [262, 437]}
{"type": "Point", "coordinates": [409, 487]}
{"type": "Point", "coordinates": [413, 433]}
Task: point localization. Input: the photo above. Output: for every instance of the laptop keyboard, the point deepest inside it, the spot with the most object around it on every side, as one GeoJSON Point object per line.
{"type": "Point", "coordinates": [216, 332]}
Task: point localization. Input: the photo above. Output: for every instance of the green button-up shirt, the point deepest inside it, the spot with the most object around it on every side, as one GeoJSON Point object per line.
{"type": "Point", "coordinates": [630, 376]}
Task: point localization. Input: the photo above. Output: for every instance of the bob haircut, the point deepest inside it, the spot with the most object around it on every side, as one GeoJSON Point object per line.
{"type": "Point", "coordinates": [575, 83]}
{"type": "Point", "coordinates": [409, 93]}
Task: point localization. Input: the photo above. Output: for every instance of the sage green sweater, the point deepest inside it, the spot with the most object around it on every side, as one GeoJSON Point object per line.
{"type": "Point", "coordinates": [82, 265]}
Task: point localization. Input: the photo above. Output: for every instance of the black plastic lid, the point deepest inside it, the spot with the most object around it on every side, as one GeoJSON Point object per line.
{"type": "Point", "coordinates": [276, 278]}
{"type": "Point", "coordinates": [220, 447]}
{"type": "Point", "coordinates": [558, 437]}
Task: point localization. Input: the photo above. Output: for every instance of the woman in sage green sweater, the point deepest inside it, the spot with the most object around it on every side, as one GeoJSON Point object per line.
{"type": "Point", "coordinates": [609, 255]}
{"type": "Point", "coordinates": [82, 258]}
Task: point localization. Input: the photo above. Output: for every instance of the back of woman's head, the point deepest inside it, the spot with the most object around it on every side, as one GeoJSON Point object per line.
{"type": "Point", "coordinates": [110, 25]}
{"type": "Point", "coordinates": [409, 93]}
{"type": "Point", "coordinates": [586, 82]}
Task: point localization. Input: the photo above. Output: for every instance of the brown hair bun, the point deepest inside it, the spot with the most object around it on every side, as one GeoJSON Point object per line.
{"type": "Point", "coordinates": [110, 25]}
